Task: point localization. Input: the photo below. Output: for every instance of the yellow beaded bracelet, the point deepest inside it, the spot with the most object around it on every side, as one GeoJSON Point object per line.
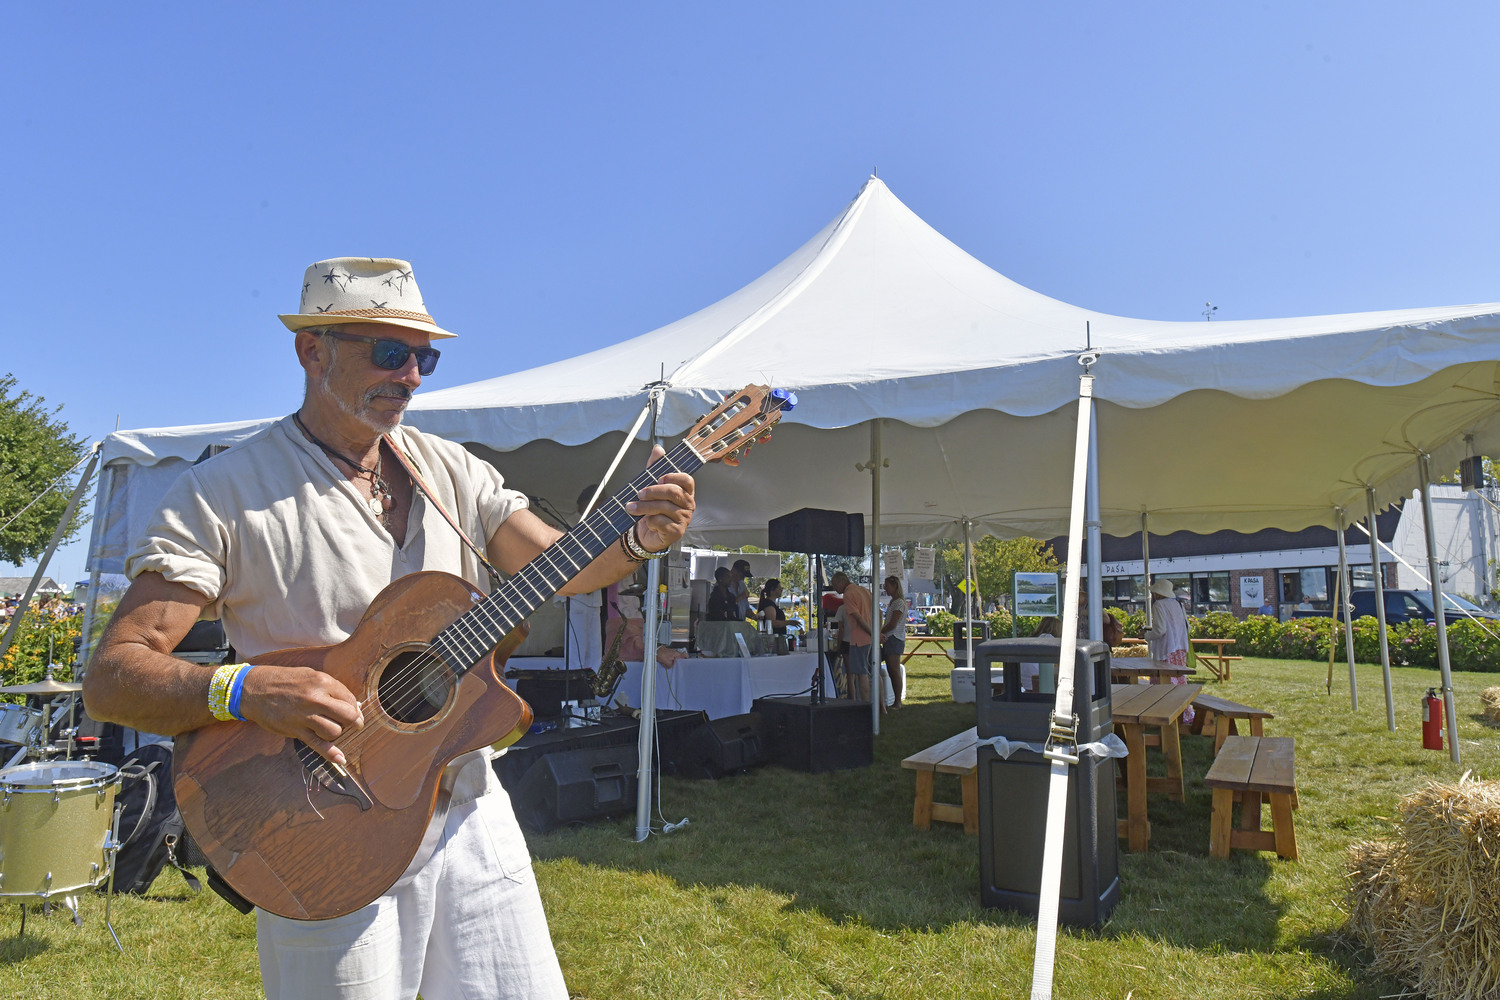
{"type": "Point", "coordinates": [218, 691]}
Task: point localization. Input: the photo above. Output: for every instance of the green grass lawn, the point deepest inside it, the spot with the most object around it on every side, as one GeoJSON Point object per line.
{"type": "Point", "coordinates": [794, 885]}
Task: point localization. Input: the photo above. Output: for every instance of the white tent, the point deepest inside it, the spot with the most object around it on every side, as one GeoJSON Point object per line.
{"type": "Point", "coordinates": [1244, 425]}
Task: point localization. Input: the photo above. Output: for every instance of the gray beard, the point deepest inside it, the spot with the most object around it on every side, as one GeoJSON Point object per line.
{"type": "Point", "coordinates": [362, 412]}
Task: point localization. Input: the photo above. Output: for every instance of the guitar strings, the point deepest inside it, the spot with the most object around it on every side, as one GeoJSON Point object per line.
{"type": "Point", "coordinates": [411, 690]}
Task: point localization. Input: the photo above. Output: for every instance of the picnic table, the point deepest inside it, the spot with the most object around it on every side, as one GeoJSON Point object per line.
{"type": "Point", "coordinates": [923, 640]}
{"type": "Point", "coordinates": [1136, 708]}
{"type": "Point", "coordinates": [1126, 669]}
{"type": "Point", "coordinates": [1211, 653]}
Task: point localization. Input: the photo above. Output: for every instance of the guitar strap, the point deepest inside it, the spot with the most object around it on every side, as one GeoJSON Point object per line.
{"type": "Point", "coordinates": [421, 484]}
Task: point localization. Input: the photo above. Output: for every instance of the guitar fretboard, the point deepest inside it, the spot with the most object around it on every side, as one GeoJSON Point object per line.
{"type": "Point", "coordinates": [480, 629]}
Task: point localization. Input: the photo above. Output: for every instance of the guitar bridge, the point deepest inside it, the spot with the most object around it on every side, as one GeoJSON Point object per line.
{"type": "Point", "coordinates": [333, 777]}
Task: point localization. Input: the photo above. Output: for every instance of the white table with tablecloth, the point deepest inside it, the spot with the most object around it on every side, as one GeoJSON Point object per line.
{"type": "Point", "coordinates": [721, 686]}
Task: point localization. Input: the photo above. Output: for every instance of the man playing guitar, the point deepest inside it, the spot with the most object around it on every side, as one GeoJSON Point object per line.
{"type": "Point", "coordinates": [288, 537]}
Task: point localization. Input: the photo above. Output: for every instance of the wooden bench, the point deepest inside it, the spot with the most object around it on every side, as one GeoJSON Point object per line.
{"type": "Point", "coordinates": [956, 755]}
{"type": "Point", "coordinates": [1218, 716]}
{"type": "Point", "coordinates": [1250, 770]}
{"type": "Point", "coordinates": [1211, 653]}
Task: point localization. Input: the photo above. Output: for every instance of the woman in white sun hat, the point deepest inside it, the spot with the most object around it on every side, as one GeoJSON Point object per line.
{"type": "Point", "coordinates": [1168, 634]}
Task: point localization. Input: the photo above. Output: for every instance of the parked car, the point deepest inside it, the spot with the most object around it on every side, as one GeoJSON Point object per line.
{"type": "Point", "coordinates": [1408, 605]}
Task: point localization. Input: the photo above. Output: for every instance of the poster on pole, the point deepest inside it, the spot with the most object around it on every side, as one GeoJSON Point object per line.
{"type": "Point", "coordinates": [895, 565]}
{"type": "Point", "coordinates": [924, 565]}
{"type": "Point", "coordinates": [1036, 595]}
{"type": "Point", "coordinates": [1252, 591]}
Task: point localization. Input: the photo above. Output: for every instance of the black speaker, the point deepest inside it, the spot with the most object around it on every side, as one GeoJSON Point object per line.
{"type": "Point", "coordinates": [803, 736]}
{"type": "Point", "coordinates": [577, 785]}
{"type": "Point", "coordinates": [824, 532]}
{"type": "Point", "coordinates": [723, 746]}
{"type": "Point", "coordinates": [546, 690]}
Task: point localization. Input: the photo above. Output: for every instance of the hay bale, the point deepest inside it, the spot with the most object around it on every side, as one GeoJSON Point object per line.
{"type": "Point", "coordinates": [1489, 701]}
{"type": "Point", "coordinates": [1116, 652]}
{"type": "Point", "coordinates": [1428, 903]}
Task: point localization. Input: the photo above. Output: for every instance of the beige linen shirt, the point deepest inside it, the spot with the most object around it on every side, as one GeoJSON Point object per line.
{"type": "Point", "coordinates": [288, 553]}
{"type": "Point", "coordinates": [286, 549]}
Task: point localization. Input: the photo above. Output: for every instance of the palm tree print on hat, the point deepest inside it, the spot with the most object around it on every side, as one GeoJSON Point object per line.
{"type": "Point", "coordinates": [398, 281]}
{"type": "Point", "coordinates": [379, 305]}
{"type": "Point", "coordinates": [340, 280]}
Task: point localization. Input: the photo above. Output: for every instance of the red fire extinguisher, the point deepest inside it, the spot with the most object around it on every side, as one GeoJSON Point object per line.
{"type": "Point", "coordinates": [1432, 721]}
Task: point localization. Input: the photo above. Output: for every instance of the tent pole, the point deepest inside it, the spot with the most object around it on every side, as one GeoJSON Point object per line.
{"type": "Point", "coordinates": [1439, 609]}
{"type": "Point", "coordinates": [1346, 583]}
{"type": "Point", "coordinates": [1092, 527]}
{"type": "Point", "coordinates": [877, 694]}
{"type": "Point", "coordinates": [1062, 750]}
{"type": "Point", "coordinates": [91, 603]}
{"type": "Point", "coordinates": [41, 566]}
{"type": "Point", "coordinates": [1385, 648]}
{"type": "Point", "coordinates": [645, 738]}
{"type": "Point", "coordinates": [1146, 562]}
{"type": "Point", "coordinates": [969, 595]}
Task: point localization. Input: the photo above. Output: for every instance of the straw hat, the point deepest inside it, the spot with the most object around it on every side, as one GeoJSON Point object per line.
{"type": "Point", "coordinates": [1162, 588]}
{"type": "Point", "coordinates": [363, 290]}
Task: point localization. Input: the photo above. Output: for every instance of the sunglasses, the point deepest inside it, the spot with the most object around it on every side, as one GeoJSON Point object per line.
{"type": "Point", "coordinates": [392, 354]}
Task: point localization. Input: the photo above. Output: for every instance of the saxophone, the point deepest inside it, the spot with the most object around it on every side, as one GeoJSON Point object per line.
{"type": "Point", "coordinates": [611, 667]}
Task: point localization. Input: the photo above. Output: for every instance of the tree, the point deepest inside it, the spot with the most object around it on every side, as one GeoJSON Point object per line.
{"type": "Point", "coordinates": [995, 560]}
{"type": "Point", "coordinates": [36, 451]}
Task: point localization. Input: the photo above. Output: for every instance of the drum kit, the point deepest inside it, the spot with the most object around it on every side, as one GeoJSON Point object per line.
{"type": "Point", "coordinates": [59, 828]}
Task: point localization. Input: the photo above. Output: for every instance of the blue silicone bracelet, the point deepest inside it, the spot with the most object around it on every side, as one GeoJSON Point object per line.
{"type": "Point", "coordinates": [237, 688]}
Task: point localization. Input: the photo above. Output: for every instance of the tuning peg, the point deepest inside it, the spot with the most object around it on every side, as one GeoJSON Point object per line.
{"type": "Point", "coordinates": [732, 459]}
{"type": "Point", "coordinates": [765, 436]}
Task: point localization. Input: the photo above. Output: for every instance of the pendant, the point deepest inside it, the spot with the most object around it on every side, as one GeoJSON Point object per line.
{"type": "Point", "coordinates": [376, 507]}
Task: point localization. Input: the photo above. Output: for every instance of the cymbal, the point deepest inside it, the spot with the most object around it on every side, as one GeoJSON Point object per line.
{"type": "Point", "coordinates": [48, 686]}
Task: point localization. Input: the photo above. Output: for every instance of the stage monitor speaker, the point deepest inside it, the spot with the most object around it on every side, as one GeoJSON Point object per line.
{"type": "Point", "coordinates": [830, 736]}
{"type": "Point", "coordinates": [574, 786]}
{"type": "Point", "coordinates": [823, 532]}
{"type": "Point", "coordinates": [731, 745]}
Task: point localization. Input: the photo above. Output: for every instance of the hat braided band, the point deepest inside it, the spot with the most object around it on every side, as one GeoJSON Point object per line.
{"type": "Point", "coordinates": [380, 314]}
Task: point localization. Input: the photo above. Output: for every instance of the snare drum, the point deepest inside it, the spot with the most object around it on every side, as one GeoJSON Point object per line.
{"type": "Point", "coordinates": [55, 822]}
{"type": "Point", "coordinates": [17, 722]}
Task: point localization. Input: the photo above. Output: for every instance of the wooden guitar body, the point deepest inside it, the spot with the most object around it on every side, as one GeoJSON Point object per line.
{"type": "Point", "coordinates": [292, 834]}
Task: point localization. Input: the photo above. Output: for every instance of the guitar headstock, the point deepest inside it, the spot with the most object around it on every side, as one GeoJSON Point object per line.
{"type": "Point", "coordinates": [728, 431]}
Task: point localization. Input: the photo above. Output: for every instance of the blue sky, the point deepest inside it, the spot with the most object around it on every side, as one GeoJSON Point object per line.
{"type": "Point", "coordinates": [567, 175]}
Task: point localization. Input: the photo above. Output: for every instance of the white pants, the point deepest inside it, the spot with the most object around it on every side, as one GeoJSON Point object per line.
{"type": "Point", "coordinates": [468, 923]}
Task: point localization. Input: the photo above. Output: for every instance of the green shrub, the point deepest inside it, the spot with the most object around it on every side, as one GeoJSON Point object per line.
{"type": "Point", "coordinates": [1471, 646]}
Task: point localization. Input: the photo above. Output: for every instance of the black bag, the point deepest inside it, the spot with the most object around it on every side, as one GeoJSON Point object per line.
{"type": "Point", "coordinates": [150, 827]}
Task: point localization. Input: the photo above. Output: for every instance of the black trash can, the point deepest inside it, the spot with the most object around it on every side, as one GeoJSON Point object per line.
{"type": "Point", "coordinates": [1013, 791]}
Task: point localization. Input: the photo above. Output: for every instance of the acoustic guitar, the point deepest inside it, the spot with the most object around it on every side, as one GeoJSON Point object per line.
{"type": "Point", "coordinates": [305, 838]}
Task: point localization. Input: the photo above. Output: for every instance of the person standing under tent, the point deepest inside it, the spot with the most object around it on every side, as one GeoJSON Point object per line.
{"type": "Point", "coordinates": [767, 610]}
{"type": "Point", "coordinates": [859, 662]}
{"type": "Point", "coordinates": [740, 587]}
{"type": "Point", "coordinates": [721, 603]}
{"type": "Point", "coordinates": [893, 638]}
{"type": "Point", "coordinates": [289, 537]}
{"type": "Point", "coordinates": [1168, 634]}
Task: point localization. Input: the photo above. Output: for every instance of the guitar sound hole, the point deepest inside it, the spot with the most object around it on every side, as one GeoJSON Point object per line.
{"type": "Point", "coordinates": [414, 687]}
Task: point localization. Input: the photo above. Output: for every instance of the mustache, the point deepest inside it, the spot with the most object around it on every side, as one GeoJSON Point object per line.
{"type": "Point", "coordinates": [394, 391]}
